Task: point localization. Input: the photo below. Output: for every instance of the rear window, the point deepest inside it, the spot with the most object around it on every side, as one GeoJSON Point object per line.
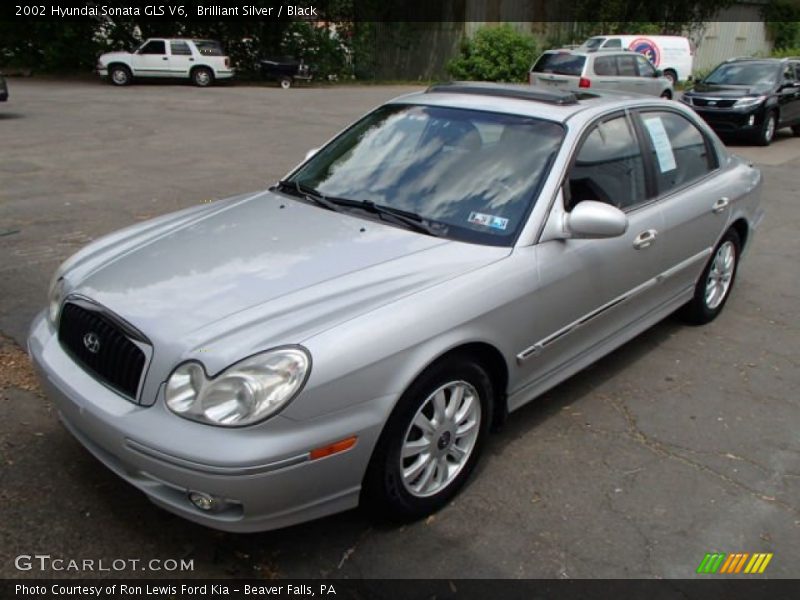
{"type": "Point", "coordinates": [209, 48]}
{"type": "Point", "coordinates": [560, 64]}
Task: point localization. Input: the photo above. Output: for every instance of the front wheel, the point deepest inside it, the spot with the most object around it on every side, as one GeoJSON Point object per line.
{"type": "Point", "coordinates": [285, 83]}
{"type": "Point", "coordinates": [119, 75]}
{"type": "Point", "coordinates": [714, 286]}
{"type": "Point", "coordinates": [796, 130]}
{"type": "Point", "coordinates": [672, 76]}
{"type": "Point", "coordinates": [766, 134]}
{"type": "Point", "coordinates": [432, 441]}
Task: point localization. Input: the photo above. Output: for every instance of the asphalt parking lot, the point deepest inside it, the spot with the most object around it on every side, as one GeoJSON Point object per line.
{"type": "Point", "coordinates": [684, 441]}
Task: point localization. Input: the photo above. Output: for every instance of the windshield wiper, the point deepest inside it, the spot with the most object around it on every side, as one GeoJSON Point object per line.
{"type": "Point", "coordinates": [309, 193]}
{"type": "Point", "coordinates": [410, 219]}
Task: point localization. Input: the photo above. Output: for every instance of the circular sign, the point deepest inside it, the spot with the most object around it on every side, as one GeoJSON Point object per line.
{"type": "Point", "coordinates": [647, 48]}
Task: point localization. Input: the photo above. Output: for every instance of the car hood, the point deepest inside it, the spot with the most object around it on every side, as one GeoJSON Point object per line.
{"type": "Point", "coordinates": [109, 56]}
{"type": "Point", "coordinates": [250, 273]}
{"type": "Point", "coordinates": [728, 91]}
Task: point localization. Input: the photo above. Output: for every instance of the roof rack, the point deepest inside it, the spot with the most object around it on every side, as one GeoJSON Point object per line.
{"type": "Point", "coordinates": [520, 92]}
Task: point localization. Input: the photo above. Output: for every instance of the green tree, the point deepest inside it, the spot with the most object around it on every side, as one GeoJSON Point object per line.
{"type": "Point", "coordinates": [494, 54]}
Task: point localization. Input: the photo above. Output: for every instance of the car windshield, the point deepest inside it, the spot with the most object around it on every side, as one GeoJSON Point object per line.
{"type": "Point", "coordinates": [594, 43]}
{"type": "Point", "coordinates": [560, 63]}
{"type": "Point", "coordinates": [469, 175]}
{"type": "Point", "coordinates": [743, 74]}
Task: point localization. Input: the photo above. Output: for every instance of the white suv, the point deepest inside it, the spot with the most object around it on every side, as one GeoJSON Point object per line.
{"type": "Point", "coordinates": [202, 61]}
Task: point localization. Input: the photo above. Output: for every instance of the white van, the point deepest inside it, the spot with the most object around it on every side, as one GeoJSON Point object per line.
{"type": "Point", "coordinates": [672, 54]}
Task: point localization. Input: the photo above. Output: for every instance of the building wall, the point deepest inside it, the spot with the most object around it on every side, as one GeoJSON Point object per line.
{"type": "Point", "coordinates": [738, 32]}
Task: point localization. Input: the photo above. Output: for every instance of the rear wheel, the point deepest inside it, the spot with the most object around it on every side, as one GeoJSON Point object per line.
{"type": "Point", "coordinates": [119, 75]}
{"type": "Point", "coordinates": [714, 286]}
{"type": "Point", "coordinates": [285, 82]}
{"type": "Point", "coordinates": [666, 95]}
{"type": "Point", "coordinates": [672, 76]}
{"type": "Point", "coordinates": [202, 77]}
{"type": "Point", "coordinates": [431, 442]}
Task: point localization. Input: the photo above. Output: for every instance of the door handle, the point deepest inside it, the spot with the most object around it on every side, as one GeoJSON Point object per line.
{"type": "Point", "coordinates": [645, 239]}
{"type": "Point", "coordinates": [191, 60]}
{"type": "Point", "coordinates": [163, 58]}
{"type": "Point", "coordinates": [721, 204]}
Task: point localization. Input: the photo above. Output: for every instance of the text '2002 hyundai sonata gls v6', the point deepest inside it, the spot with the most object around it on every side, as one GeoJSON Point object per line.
{"type": "Point", "coordinates": [352, 333]}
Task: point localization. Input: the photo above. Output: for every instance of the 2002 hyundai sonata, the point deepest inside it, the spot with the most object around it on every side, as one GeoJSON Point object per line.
{"type": "Point", "coordinates": [352, 333]}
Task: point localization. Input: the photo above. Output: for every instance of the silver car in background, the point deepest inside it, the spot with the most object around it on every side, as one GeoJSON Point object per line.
{"type": "Point", "coordinates": [579, 70]}
{"type": "Point", "coordinates": [352, 333]}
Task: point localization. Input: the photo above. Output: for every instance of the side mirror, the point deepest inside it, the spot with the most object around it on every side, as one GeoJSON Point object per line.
{"type": "Point", "coordinates": [311, 153]}
{"type": "Point", "coordinates": [658, 73]}
{"type": "Point", "coordinates": [591, 219]}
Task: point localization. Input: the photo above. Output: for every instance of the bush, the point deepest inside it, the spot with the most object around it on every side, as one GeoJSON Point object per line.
{"type": "Point", "coordinates": [494, 54]}
{"type": "Point", "coordinates": [785, 53]}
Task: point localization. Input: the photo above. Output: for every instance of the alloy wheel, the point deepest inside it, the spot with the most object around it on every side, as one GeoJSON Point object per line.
{"type": "Point", "coordinates": [440, 439]}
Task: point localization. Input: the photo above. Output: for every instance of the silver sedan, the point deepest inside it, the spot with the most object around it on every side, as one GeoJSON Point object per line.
{"type": "Point", "coordinates": [351, 334]}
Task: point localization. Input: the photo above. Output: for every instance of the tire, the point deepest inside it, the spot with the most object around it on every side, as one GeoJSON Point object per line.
{"type": "Point", "coordinates": [119, 75]}
{"type": "Point", "coordinates": [202, 76]}
{"type": "Point", "coordinates": [707, 303]}
{"type": "Point", "coordinates": [666, 95]}
{"type": "Point", "coordinates": [766, 134]}
{"type": "Point", "coordinates": [796, 130]}
{"type": "Point", "coordinates": [672, 76]}
{"type": "Point", "coordinates": [406, 488]}
{"type": "Point", "coordinates": [285, 83]}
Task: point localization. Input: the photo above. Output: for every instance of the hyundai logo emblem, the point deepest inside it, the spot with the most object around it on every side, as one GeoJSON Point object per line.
{"type": "Point", "coordinates": [712, 102]}
{"type": "Point", "coordinates": [92, 342]}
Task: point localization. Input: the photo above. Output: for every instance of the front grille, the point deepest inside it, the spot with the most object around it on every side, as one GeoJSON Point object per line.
{"type": "Point", "coordinates": [102, 348]}
{"type": "Point", "coordinates": [713, 103]}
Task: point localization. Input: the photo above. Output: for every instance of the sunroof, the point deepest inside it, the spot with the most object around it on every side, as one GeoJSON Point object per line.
{"type": "Point", "coordinates": [520, 92]}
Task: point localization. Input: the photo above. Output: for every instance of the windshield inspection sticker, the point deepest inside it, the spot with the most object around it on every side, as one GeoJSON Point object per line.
{"type": "Point", "coordinates": [488, 220]}
{"type": "Point", "coordinates": [666, 159]}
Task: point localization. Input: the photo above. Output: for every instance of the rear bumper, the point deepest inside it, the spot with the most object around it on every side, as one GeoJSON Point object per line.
{"type": "Point", "coordinates": [274, 484]}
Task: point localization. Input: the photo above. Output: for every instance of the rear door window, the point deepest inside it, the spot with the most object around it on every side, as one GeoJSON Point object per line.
{"type": "Point", "coordinates": [613, 43]}
{"type": "Point", "coordinates": [560, 64]}
{"type": "Point", "coordinates": [627, 66]}
{"type": "Point", "coordinates": [680, 152]}
{"type": "Point", "coordinates": [180, 49]}
{"type": "Point", "coordinates": [605, 65]}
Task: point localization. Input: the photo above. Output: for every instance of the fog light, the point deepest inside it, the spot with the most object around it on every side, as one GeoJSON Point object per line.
{"type": "Point", "coordinates": [751, 120]}
{"type": "Point", "coordinates": [204, 502]}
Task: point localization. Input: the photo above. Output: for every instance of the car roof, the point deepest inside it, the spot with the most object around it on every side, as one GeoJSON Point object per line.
{"type": "Point", "coordinates": [523, 99]}
{"type": "Point", "coordinates": [590, 53]}
{"type": "Point", "coordinates": [755, 59]}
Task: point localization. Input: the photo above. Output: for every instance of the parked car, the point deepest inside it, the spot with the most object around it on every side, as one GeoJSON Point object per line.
{"type": "Point", "coordinates": [750, 97]}
{"type": "Point", "coordinates": [611, 70]}
{"type": "Point", "coordinates": [286, 71]}
{"type": "Point", "coordinates": [200, 61]}
{"type": "Point", "coordinates": [360, 325]}
{"type": "Point", "coordinates": [673, 54]}
{"type": "Point", "coordinates": [3, 89]}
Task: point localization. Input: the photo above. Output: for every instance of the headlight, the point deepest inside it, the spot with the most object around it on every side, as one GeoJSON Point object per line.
{"type": "Point", "coordinates": [55, 296]}
{"type": "Point", "coordinates": [686, 99]}
{"type": "Point", "coordinates": [749, 101]}
{"type": "Point", "coordinates": [244, 393]}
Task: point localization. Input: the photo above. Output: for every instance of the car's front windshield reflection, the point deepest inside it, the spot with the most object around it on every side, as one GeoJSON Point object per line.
{"type": "Point", "coordinates": [472, 174]}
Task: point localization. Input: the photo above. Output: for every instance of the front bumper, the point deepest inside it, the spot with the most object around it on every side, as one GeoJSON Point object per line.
{"type": "Point", "coordinates": [733, 122]}
{"type": "Point", "coordinates": [263, 473]}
